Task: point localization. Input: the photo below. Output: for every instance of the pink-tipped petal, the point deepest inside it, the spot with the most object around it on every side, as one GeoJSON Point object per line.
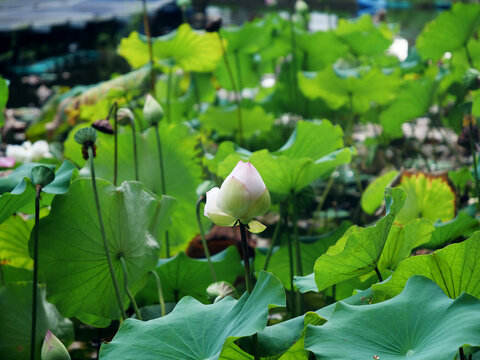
{"type": "Point", "coordinates": [248, 175]}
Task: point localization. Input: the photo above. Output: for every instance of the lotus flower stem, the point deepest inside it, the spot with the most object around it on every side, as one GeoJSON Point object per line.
{"type": "Point", "coordinates": [469, 57]}
{"type": "Point", "coordinates": [275, 236]}
{"type": "Point", "coordinates": [322, 202]}
{"type": "Point", "coordinates": [149, 41]}
{"type": "Point", "coordinates": [294, 58]}
{"type": "Point", "coordinates": [162, 178]}
{"type": "Point", "coordinates": [33, 328]}
{"type": "Point", "coordinates": [104, 237]}
{"type": "Point", "coordinates": [135, 156]}
{"type": "Point", "coordinates": [169, 95]}
{"type": "Point", "coordinates": [239, 73]}
{"type": "Point", "coordinates": [461, 353]}
{"type": "Point", "coordinates": [115, 152]}
{"type": "Point", "coordinates": [246, 258]}
{"type": "Point", "coordinates": [379, 275]}
{"type": "Point", "coordinates": [475, 164]}
{"type": "Point", "coordinates": [127, 289]}
{"type": "Point", "coordinates": [161, 300]}
{"type": "Point", "coordinates": [200, 200]}
{"type": "Point", "coordinates": [235, 90]}
{"type": "Point", "coordinates": [298, 253]}
{"type": "Point", "coordinates": [290, 263]}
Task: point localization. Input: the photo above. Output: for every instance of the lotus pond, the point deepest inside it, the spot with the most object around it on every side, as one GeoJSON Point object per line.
{"type": "Point", "coordinates": [252, 192]}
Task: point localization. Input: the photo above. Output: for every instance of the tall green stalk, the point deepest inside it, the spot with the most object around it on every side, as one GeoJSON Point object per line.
{"type": "Point", "coordinates": [115, 152]}
{"type": "Point", "coordinates": [276, 234]}
{"type": "Point", "coordinates": [150, 48]}
{"type": "Point", "coordinates": [200, 200]}
{"type": "Point", "coordinates": [104, 237]}
{"type": "Point", "coordinates": [298, 254]}
{"type": "Point", "coordinates": [169, 95]}
{"type": "Point", "coordinates": [475, 164]}
{"type": "Point", "coordinates": [135, 156]}
{"type": "Point", "coordinates": [33, 329]}
{"type": "Point", "coordinates": [293, 42]}
{"type": "Point", "coordinates": [161, 299]}
{"type": "Point", "coordinates": [127, 288]}
{"type": "Point", "coordinates": [291, 266]}
{"type": "Point", "coordinates": [162, 179]}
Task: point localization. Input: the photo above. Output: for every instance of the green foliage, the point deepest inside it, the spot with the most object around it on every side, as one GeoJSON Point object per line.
{"type": "Point", "coordinates": [358, 251]}
{"type": "Point", "coordinates": [16, 317]}
{"type": "Point", "coordinates": [420, 323]}
{"type": "Point", "coordinates": [3, 97]}
{"type": "Point", "coordinates": [372, 197]}
{"type": "Point", "coordinates": [450, 31]}
{"type": "Point", "coordinates": [14, 236]}
{"type": "Point", "coordinates": [183, 276]}
{"type": "Point", "coordinates": [455, 269]}
{"type": "Point", "coordinates": [213, 324]}
{"type": "Point", "coordinates": [70, 239]}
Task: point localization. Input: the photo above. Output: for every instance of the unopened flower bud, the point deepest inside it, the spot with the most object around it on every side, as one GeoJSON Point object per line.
{"type": "Point", "coordinates": [301, 7]}
{"type": "Point", "coordinates": [152, 110]}
{"type": "Point", "coordinates": [125, 116]}
{"type": "Point", "coordinates": [42, 175]}
{"type": "Point", "coordinates": [214, 25]}
{"type": "Point", "coordinates": [53, 349]}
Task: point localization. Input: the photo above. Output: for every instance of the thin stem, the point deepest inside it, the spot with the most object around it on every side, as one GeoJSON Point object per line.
{"type": "Point", "coordinates": [150, 49]}
{"type": "Point", "coordinates": [135, 156]}
{"type": "Point", "coordinates": [294, 58]}
{"type": "Point", "coordinates": [469, 57]}
{"type": "Point", "coordinates": [379, 275]}
{"type": "Point", "coordinates": [161, 300]}
{"type": "Point", "coordinates": [275, 237]}
{"type": "Point", "coordinates": [462, 354]}
{"type": "Point", "coordinates": [33, 328]}
{"type": "Point", "coordinates": [235, 90]}
{"type": "Point", "coordinates": [115, 152]}
{"type": "Point", "coordinates": [475, 170]}
{"type": "Point", "coordinates": [196, 91]}
{"type": "Point", "coordinates": [169, 95]}
{"type": "Point", "coordinates": [162, 178]}
{"type": "Point", "coordinates": [246, 258]}
{"type": "Point", "coordinates": [322, 201]}
{"type": "Point", "coordinates": [290, 263]}
{"type": "Point", "coordinates": [127, 289]}
{"type": "Point", "coordinates": [204, 241]}
{"type": "Point", "coordinates": [239, 73]}
{"type": "Point", "coordinates": [2, 276]}
{"type": "Point", "coordinates": [298, 253]}
{"type": "Point", "coordinates": [104, 237]}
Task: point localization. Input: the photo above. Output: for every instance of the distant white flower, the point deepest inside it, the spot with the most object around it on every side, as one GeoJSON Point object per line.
{"type": "Point", "coordinates": [27, 152]}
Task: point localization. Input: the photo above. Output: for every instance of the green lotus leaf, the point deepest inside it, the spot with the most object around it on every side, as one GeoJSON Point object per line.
{"type": "Point", "coordinates": [224, 120]}
{"type": "Point", "coordinates": [312, 152]}
{"type": "Point", "coordinates": [429, 197]}
{"type": "Point", "coordinates": [14, 236]}
{"type": "Point", "coordinates": [9, 182]}
{"type": "Point", "coordinates": [183, 276]}
{"type": "Point", "coordinates": [16, 320]}
{"type": "Point", "coordinates": [450, 31]}
{"type": "Point", "coordinates": [402, 239]}
{"type": "Point", "coordinates": [372, 196]}
{"type": "Point", "coordinates": [244, 68]}
{"type": "Point", "coordinates": [421, 323]}
{"type": "Point", "coordinates": [19, 197]}
{"type": "Point", "coordinates": [455, 269]}
{"type": "Point", "coordinates": [249, 38]}
{"type": "Point", "coordinates": [363, 37]}
{"type": "Point", "coordinates": [70, 240]}
{"type": "Point", "coordinates": [317, 57]}
{"type": "Point", "coordinates": [358, 251]}
{"type": "Point", "coordinates": [413, 101]}
{"type": "Point", "coordinates": [209, 326]}
{"type": "Point", "coordinates": [310, 248]}
{"type": "Point", "coordinates": [371, 87]}
{"type": "Point", "coordinates": [190, 50]}
{"type": "Point", "coordinates": [182, 172]}
{"type": "Point", "coordinates": [462, 225]}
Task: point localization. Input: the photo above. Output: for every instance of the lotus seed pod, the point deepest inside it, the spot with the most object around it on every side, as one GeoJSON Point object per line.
{"type": "Point", "coordinates": [86, 135]}
{"type": "Point", "coordinates": [103, 125]}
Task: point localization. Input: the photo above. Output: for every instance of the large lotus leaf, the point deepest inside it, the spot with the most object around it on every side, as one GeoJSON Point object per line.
{"type": "Point", "coordinates": [11, 202]}
{"type": "Point", "coordinates": [190, 50]}
{"type": "Point", "coordinates": [182, 172]}
{"type": "Point", "coordinates": [249, 38]}
{"type": "Point", "coordinates": [372, 196]}
{"type": "Point", "coordinates": [462, 225]}
{"type": "Point", "coordinates": [317, 57]}
{"type": "Point", "coordinates": [14, 236]}
{"type": "Point", "coordinates": [402, 239]}
{"type": "Point", "coordinates": [413, 101]}
{"type": "Point", "coordinates": [450, 31]}
{"type": "Point", "coordinates": [183, 276]}
{"type": "Point", "coordinates": [358, 251]}
{"type": "Point", "coordinates": [421, 324]}
{"type": "Point", "coordinates": [196, 331]}
{"type": "Point", "coordinates": [363, 37]}
{"type": "Point", "coordinates": [16, 319]}
{"type": "Point", "coordinates": [312, 152]}
{"type": "Point", "coordinates": [310, 248]}
{"type": "Point", "coordinates": [430, 197]}
{"type": "Point", "coordinates": [224, 120]}
{"type": "Point", "coordinates": [70, 240]}
{"type": "Point", "coordinates": [455, 269]}
{"type": "Point", "coordinates": [12, 179]}
{"type": "Point", "coordinates": [337, 91]}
